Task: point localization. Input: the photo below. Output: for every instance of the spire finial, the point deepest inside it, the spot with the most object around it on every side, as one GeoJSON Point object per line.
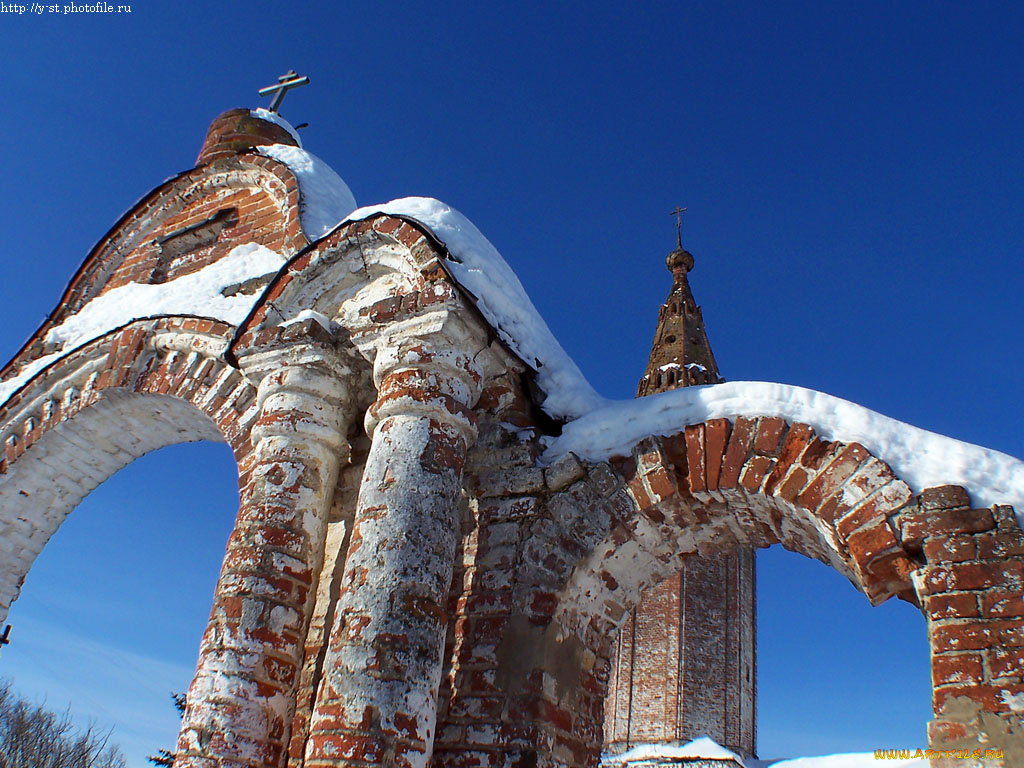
{"type": "Point", "coordinates": [285, 82]}
{"type": "Point", "coordinates": [678, 213]}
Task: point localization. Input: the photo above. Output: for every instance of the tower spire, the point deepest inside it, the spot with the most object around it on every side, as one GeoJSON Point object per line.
{"type": "Point", "coordinates": [681, 353]}
{"type": "Point", "coordinates": [685, 659]}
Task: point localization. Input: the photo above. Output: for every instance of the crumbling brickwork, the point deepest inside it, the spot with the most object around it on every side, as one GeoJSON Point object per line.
{"type": "Point", "coordinates": [409, 581]}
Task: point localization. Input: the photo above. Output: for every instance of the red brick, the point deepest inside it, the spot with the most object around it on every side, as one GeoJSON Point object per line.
{"type": "Point", "coordinates": [800, 435]}
{"type": "Point", "coordinates": [949, 549]}
{"type": "Point", "coordinates": [660, 483]}
{"type": "Point", "coordinates": [1000, 546]}
{"type": "Point", "coordinates": [716, 439]}
{"type": "Point", "coordinates": [755, 471]}
{"type": "Point", "coordinates": [736, 454]}
{"type": "Point", "coordinates": [1002, 604]}
{"type": "Point", "coordinates": [695, 457]}
{"type": "Point", "coordinates": [867, 514]}
{"type": "Point", "coordinates": [952, 605]}
{"type": "Point", "coordinates": [791, 487]}
{"type": "Point", "coordinates": [1006, 662]}
{"type": "Point", "coordinates": [769, 435]}
{"type": "Point", "coordinates": [915, 527]}
{"type": "Point", "coordinates": [955, 577]}
{"type": "Point", "coordinates": [945, 497]}
{"type": "Point", "coordinates": [962, 636]}
{"type": "Point", "coordinates": [868, 544]}
{"type": "Point", "coordinates": [959, 668]}
{"type": "Point", "coordinates": [639, 493]}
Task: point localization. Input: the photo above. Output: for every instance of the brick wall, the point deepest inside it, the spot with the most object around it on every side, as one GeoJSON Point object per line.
{"type": "Point", "coordinates": [544, 563]}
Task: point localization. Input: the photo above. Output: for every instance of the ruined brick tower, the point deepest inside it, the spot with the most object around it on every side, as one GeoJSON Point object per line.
{"type": "Point", "coordinates": [684, 662]}
{"type": "Point", "coordinates": [442, 528]}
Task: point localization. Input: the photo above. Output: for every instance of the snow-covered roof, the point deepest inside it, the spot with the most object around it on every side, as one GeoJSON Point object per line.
{"type": "Point", "coordinates": [478, 267]}
{"type": "Point", "coordinates": [920, 458]}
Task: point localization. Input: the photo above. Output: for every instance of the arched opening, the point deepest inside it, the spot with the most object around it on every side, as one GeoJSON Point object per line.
{"type": "Point", "coordinates": [110, 616]}
{"type": "Point", "coordinates": [834, 672]}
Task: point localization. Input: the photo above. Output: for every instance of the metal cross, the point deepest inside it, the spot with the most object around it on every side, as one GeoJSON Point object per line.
{"type": "Point", "coordinates": [284, 83]}
{"type": "Point", "coordinates": [678, 213]}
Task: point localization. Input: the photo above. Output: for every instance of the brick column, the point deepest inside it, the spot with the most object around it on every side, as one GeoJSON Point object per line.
{"type": "Point", "coordinates": [971, 589]}
{"type": "Point", "coordinates": [377, 703]}
{"type": "Point", "coordinates": [241, 702]}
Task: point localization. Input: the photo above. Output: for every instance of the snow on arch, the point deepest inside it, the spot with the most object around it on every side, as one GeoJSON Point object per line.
{"type": "Point", "coordinates": [920, 458]}
{"type": "Point", "coordinates": [198, 293]}
{"type": "Point", "coordinates": [324, 197]}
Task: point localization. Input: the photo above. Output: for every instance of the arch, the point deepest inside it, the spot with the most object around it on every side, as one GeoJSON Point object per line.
{"type": "Point", "coordinates": [365, 272]}
{"type": "Point", "coordinates": [76, 422]}
{"type": "Point", "coordinates": [623, 525]}
{"type": "Point", "coordinates": [759, 482]}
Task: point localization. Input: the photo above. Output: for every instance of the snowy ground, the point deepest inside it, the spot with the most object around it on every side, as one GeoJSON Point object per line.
{"type": "Point", "coordinates": [707, 749]}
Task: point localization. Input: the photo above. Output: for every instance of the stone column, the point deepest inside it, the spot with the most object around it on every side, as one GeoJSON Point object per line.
{"type": "Point", "coordinates": [241, 702]}
{"type": "Point", "coordinates": [377, 704]}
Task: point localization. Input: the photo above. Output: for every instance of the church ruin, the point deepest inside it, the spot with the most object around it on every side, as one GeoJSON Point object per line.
{"type": "Point", "coordinates": [449, 549]}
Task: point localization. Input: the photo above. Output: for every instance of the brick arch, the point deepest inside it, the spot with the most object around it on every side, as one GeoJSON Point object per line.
{"type": "Point", "coordinates": [363, 275]}
{"type": "Point", "coordinates": [139, 388]}
{"type": "Point", "coordinates": [611, 529]}
{"type": "Point", "coordinates": [756, 482]}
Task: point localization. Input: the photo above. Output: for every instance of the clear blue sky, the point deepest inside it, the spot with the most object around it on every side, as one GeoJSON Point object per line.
{"type": "Point", "coordinates": [853, 173]}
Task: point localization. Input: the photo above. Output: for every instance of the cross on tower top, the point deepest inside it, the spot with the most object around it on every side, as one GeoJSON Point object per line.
{"type": "Point", "coordinates": [285, 82]}
{"type": "Point", "coordinates": [678, 213]}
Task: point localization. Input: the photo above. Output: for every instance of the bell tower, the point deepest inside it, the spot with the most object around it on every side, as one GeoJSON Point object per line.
{"type": "Point", "coordinates": [685, 659]}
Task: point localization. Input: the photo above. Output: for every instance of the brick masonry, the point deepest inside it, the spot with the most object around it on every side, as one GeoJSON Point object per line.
{"type": "Point", "coordinates": [685, 660]}
{"type": "Point", "coordinates": [406, 583]}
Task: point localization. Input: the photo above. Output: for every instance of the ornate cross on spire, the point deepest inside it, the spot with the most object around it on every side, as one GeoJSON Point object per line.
{"type": "Point", "coordinates": [285, 82]}
{"type": "Point", "coordinates": [678, 213]}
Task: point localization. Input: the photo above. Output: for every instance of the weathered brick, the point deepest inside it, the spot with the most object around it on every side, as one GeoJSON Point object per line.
{"type": "Point", "coordinates": [959, 668]}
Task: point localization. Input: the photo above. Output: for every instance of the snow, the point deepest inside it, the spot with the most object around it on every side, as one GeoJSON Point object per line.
{"type": "Point", "coordinates": [688, 366]}
{"type": "Point", "coordinates": [920, 458]}
{"type": "Point", "coordinates": [198, 293]}
{"type": "Point", "coordinates": [705, 748]}
{"type": "Point", "coordinates": [324, 199]}
{"type": "Point", "coordinates": [310, 314]}
{"type": "Point", "coordinates": [276, 119]}
{"type": "Point", "coordinates": [597, 428]}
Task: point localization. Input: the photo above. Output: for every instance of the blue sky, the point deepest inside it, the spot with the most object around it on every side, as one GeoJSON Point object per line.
{"type": "Point", "coordinates": [853, 176]}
